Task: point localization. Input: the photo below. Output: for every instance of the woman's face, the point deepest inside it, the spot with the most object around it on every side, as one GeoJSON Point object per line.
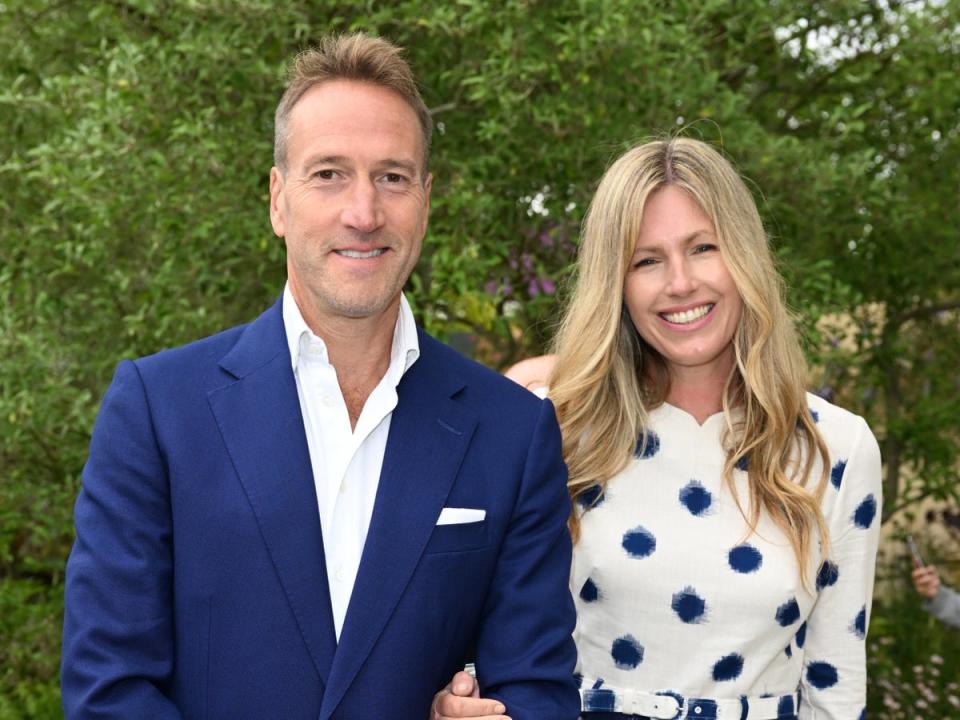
{"type": "Point", "coordinates": [678, 291]}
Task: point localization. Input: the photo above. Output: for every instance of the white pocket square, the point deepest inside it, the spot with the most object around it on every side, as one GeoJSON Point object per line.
{"type": "Point", "coordinates": [459, 516]}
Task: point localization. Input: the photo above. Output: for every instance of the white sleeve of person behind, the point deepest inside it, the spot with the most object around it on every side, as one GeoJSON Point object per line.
{"type": "Point", "coordinates": [833, 683]}
{"type": "Point", "coordinates": [945, 606]}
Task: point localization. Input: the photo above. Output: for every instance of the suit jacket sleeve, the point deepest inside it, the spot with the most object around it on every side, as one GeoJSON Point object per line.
{"type": "Point", "coordinates": [117, 631]}
{"type": "Point", "coordinates": [525, 653]}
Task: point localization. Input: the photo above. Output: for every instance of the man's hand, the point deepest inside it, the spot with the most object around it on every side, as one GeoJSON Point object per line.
{"type": "Point", "coordinates": [461, 699]}
{"type": "Point", "coordinates": [926, 581]}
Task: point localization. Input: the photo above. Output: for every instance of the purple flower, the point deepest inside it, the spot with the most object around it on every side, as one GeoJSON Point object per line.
{"type": "Point", "coordinates": [548, 286]}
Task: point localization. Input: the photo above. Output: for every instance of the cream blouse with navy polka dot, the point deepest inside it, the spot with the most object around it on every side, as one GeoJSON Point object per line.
{"type": "Point", "coordinates": [682, 613]}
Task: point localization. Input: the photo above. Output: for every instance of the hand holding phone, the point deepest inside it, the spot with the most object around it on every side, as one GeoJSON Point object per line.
{"type": "Point", "coordinates": [915, 552]}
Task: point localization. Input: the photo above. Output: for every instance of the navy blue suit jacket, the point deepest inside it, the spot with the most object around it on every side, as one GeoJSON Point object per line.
{"type": "Point", "coordinates": [197, 588]}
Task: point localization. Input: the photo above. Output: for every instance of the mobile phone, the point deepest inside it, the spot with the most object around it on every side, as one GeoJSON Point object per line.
{"type": "Point", "coordinates": [915, 551]}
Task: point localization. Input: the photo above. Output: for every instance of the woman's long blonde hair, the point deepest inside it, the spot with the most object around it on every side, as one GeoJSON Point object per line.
{"type": "Point", "coordinates": [606, 376]}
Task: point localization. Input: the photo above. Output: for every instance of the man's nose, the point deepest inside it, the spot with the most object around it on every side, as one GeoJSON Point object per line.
{"type": "Point", "coordinates": [362, 210]}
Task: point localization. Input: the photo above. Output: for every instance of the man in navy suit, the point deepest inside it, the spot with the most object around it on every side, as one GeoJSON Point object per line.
{"type": "Point", "coordinates": [324, 513]}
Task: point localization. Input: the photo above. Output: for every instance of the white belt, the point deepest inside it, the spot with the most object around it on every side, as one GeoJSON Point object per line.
{"type": "Point", "coordinates": [675, 706]}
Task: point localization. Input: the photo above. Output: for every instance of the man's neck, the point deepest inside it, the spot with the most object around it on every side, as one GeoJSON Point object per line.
{"type": "Point", "coordinates": [359, 350]}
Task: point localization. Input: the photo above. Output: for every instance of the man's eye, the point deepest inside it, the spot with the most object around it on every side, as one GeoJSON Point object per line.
{"type": "Point", "coordinates": [325, 174]}
{"type": "Point", "coordinates": [394, 178]}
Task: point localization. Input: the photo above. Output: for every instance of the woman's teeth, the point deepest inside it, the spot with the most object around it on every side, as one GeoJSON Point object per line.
{"type": "Point", "coordinates": [687, 316]}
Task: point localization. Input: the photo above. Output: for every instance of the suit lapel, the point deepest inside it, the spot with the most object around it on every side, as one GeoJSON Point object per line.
{"type": "Point", "coordinates": [429, 434]}
{"type": "Point", "coordinates": [261, 424]}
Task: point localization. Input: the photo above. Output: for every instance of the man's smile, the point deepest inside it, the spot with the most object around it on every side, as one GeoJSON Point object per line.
{"type": "Point", "coordinates": [361, 254]}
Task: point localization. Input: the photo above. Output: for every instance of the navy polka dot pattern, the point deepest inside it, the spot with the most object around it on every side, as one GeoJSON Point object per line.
{"type": "Point", "coordinates": [742, 464]}
{"type": "Point", "coordinates": [639, 542]}
{"type": "Point", "coordinates": [695, 601]}
{"type": "Point", "coordinates": [836, 473]}
{"type": "Point", "coordinates": [728, 667]}
{"type": "Point", "coordinates": [745, 559]}
{"type": "Point", "coordinates": [695, 498]}
{"type": "Point", "coordinates": [827, 575]}
{"type": "Point", "coordinates": [865, 512]}
{"type": "Point", "coordinates": [627, 653]}
{"type": "Point", "coordinates": [859, 625]}
{"type": "Point", "coordinates": [822, 675]}
{"type": "Point", "coordinates": [689, 606]}
{"type": "Point", "coordinates": [788, 613]}
{"type": "Point", "coordinates": [589, 592]}
{"type": "Point", "coordinates": [649, 448]}
{"type": "Point", "coordinates": [703, 709]}
{"type": "Point", "coordinates": [591, 497]}
{"type": "Point", "coordinates": [599, 698]}
{"type": "Point", "coordinates": [801, 636]}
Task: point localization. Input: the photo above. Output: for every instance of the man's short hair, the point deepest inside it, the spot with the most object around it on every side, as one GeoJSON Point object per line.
{"type": "Point", "coordinates": [349, 57]}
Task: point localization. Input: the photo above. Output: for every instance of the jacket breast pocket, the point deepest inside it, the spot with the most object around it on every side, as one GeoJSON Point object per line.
{"type": "Point", "coordinates": [459, 537]}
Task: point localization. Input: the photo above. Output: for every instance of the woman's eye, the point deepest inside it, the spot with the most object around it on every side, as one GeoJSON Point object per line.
{"type": "Point", "coordinates": [645, 262]}
{"type": "Point", "coordinates": [705, 247]}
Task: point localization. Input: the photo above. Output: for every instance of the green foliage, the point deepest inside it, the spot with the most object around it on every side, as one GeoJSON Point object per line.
{"type": "Point", "coordinates": [30, 617]}
{"type": "Point", "coordinates": [137, 137]}
{"type": "Point", "coordinates": [913, 659]}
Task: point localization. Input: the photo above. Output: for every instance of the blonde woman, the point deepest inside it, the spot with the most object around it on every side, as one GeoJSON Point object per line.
{"type": "Point", "coordinates": [726, 522]}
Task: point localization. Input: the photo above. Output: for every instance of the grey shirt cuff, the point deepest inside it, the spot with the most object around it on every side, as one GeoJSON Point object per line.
{"type": "Point", "coordinates": [945, 605]}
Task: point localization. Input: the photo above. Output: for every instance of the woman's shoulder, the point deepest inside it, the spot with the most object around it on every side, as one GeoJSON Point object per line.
{"type": "Point", "coordinates": [532, 373]}
{"type": "Point", "coordinates": [855, 471]}
{"type": "Point", "coordinates": [834, 420]}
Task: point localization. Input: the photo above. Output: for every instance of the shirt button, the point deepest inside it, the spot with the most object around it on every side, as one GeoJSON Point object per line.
{"type": "Point", "coordinates": [697, 709]}
{"type": "Point", "coordinates": [340, 574]}
{"type": "Point", "coordinates": [328, 400]}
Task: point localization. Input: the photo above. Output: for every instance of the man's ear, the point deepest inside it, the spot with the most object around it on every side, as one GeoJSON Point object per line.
{"type": "Point", "coordinates": [427, 184]}
{"type": "Point", "coordinates": [277, 202]}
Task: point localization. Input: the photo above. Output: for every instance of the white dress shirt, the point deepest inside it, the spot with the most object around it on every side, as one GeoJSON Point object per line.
{"type": "Point", "coordinates": [346, 462]}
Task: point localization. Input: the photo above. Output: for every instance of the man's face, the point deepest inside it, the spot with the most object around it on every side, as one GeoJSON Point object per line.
{"type": "Point", "coordinates": [352, 205]}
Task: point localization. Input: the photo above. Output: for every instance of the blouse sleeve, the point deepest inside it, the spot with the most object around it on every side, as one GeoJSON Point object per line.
{"type": "Point", "coordinates": [833, 683]}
